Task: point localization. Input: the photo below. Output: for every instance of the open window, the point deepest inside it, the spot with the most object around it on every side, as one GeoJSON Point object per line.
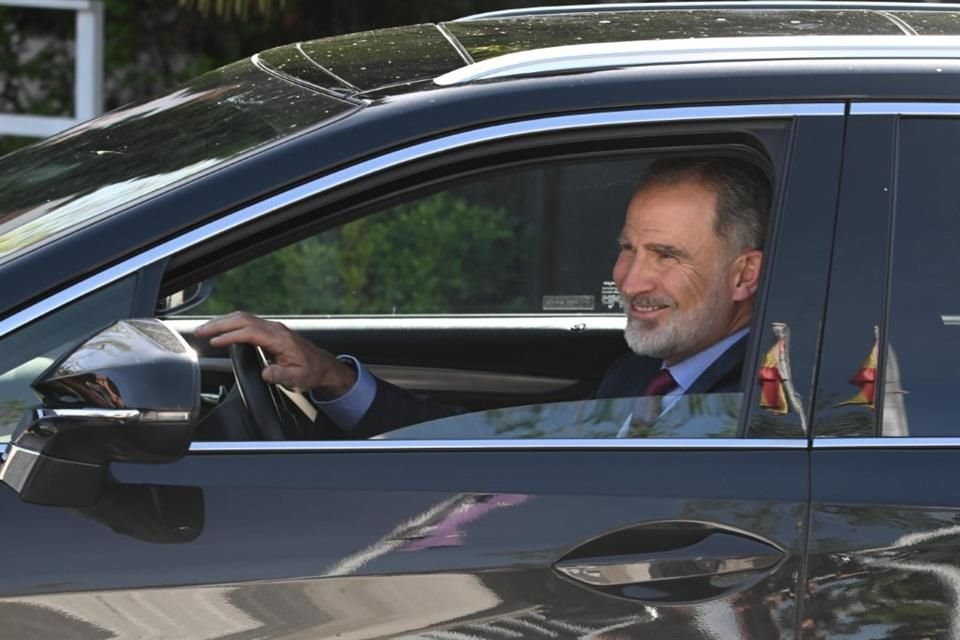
{"type": "Point", "coordinates": [481, 284]}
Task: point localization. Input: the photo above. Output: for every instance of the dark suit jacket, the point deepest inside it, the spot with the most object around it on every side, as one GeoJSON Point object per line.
{"type": "Point", "coordinates": [394, 407]}
{"type": "Point", "coordinates": [629, 375]}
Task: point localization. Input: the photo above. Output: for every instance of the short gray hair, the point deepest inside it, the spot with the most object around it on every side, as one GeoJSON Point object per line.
{"type": "Point", "coordinates": [743, 194]}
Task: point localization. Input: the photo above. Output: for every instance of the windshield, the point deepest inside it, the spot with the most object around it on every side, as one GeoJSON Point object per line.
{"type": "Point", "coordinates": [102, 166]}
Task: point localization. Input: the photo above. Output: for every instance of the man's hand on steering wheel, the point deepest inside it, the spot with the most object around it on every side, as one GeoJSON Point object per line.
{"type": "Point", "coordinates": [297, 363]}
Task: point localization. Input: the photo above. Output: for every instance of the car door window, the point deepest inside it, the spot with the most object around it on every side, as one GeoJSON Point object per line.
{"type": "Point", "coordinates": [891, 352]}
{"type": "Point", "coordinates": [479, 262]}
{"type": "Point", "coordinates": [921, 358]}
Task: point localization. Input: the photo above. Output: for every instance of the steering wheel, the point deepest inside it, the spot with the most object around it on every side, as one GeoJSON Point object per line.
{"type": "Point", "coordinates": [271, 415]}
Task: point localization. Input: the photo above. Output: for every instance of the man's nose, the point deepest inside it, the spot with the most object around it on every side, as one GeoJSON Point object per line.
{"type": "Point", "coordinates": [637, 277]}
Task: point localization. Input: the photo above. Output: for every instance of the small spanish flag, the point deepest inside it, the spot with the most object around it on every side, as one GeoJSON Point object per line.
{"type": "Point", "coordinates": [866, 377]}
{"type": "Point", "coordinates": [772, 393]}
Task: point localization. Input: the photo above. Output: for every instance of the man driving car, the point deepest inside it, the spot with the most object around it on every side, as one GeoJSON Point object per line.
{"type": "Point", "coordinates": [688, 270]}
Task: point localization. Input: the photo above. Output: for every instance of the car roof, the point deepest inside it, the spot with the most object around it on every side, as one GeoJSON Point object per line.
{"type": "Point", "coordinates": [479, 47]}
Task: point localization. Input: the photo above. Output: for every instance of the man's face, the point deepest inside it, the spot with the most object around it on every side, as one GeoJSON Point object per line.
{"type": "Point", "coordinates": [676, 275]}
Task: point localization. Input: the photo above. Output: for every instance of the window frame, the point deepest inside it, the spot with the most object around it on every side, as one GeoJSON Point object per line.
{"type": "Point", "coordinates": [293, 200]}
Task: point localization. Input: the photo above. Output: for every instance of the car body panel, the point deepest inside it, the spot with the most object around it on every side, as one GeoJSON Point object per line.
{"type": "Point", "coordinates": [883, 549]}
{"type": "Point", "coordinates": [455, 538]}
{"type": "Point", "coordinates": [462, 542]}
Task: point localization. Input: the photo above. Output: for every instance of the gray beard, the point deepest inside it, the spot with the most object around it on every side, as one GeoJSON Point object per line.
{"type": "Point", "coordinates": [678, 334]}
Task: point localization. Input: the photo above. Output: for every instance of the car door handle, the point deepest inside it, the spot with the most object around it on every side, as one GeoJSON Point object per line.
{"type": "Point", "coordinates": [697, 554]}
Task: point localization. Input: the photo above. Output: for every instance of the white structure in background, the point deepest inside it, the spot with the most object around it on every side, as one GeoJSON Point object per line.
{"type": "Point", "coordinates": [88, 67]}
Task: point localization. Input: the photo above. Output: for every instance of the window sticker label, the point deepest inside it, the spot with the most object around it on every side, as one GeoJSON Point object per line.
{"type": "Point", "coordinates": [569, 303]}
{"type": "Point", "coordinates": [609, 296]}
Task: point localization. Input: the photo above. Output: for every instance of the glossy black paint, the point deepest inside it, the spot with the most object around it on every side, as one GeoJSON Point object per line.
{"type": "Point", "coordinates": [855, 304]}
{"type": "Point", "coordinates": [922, 300]}
{"type": "Point", "coordinates": [797, 266]}
{"type": "Point", "coordinates": [387, 543]}
{"type": "Point", "coordinates": [884, 555]}
{"type": "Point", "coordinates": [310, 526]}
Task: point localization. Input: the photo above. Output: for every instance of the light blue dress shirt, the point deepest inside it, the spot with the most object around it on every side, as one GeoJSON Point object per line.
{"type": "Point", "coordinates": [347, 410]}
{"type": "Point", "coordinates": [687, 371]}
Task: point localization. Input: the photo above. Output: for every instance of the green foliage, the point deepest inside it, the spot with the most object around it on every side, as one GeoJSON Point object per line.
{"type": "Point", "coordinates": [151, 46]}
{"type": "Point", "coordinates": [441, 254]}
{"type": "Point", "coordinates": [239, 8]}
{"type": "Point", "coordinates": [299, 279]}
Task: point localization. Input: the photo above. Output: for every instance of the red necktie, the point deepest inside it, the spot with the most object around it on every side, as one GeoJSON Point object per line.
{"type": "Point", "coordinates": [660, 384]}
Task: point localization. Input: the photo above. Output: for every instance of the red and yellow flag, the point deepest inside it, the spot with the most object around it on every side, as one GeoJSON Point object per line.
{"type": "Point", "coordinates": [773, 395]}
{"type": "Point", "coordinates": [865, 378]}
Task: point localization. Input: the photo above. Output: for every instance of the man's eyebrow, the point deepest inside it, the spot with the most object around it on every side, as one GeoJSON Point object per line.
{"type": "Point", "coordinates": [667, 249]}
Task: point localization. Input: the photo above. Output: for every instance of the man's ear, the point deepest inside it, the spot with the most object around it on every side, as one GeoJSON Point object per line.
{"type": "Point", "coordinates": [747, 275]}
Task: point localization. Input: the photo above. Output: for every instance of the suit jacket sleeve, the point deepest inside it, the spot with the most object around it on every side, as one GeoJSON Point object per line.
{"type": "Point", "coordinates": [393, 408]}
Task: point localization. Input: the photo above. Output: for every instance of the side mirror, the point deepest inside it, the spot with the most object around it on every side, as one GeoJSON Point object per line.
{"type": "Point", "coordinates": [130, 393]}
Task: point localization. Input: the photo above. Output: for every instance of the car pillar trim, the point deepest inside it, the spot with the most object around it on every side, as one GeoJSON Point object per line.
{"type": "Point", "coordinates": [905, 109]}
{"type": "Point", "coordinates": [685, 444]}
{"type": "Point", "coordinates": [417, 151]}
{"type": "Point", "coordinates": [886, 443]}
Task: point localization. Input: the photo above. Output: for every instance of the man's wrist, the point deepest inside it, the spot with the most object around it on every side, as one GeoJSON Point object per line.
{"type": "Point", "coordinates": [348, 408]}
{"type": "Point", "coordinates": [340, 380]}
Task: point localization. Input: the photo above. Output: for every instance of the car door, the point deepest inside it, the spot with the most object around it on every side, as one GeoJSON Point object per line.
{"type": "Point", "coordinates": [885, 517]}
{"type": "Point", "coordinates": [672, 535]}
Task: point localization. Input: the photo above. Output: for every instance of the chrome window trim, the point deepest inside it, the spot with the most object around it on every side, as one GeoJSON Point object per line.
{"type": "Point", "coordinates": [395, 158]}
{"type": "Point", "coordinates": [607, 55]}
{"type": "Point", "coordinates": [686, 444]}
{"type": "Point", "coordinates": [905, 108]}
{"type": "Point", "coordinates": [886, 443]}
{"type": "Point", "coordinates": [525, 322]}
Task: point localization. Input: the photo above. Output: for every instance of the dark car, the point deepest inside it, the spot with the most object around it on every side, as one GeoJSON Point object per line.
{"type": "Point", "coordinates": [443, 202]}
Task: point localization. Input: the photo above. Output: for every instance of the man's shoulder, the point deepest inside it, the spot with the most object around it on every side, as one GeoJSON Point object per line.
{"type": "Point", "coordinates": [724, 374]}
{"type": "Point", "coordinates": [628, 375]}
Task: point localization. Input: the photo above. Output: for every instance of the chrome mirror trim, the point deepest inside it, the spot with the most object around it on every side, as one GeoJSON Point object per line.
{"type": "Point", "coordinates": [610, 55]}
{"type": "Point", "coordinates": [113, 415]}
{"type": "Point", "coordinates": [401, 156]}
